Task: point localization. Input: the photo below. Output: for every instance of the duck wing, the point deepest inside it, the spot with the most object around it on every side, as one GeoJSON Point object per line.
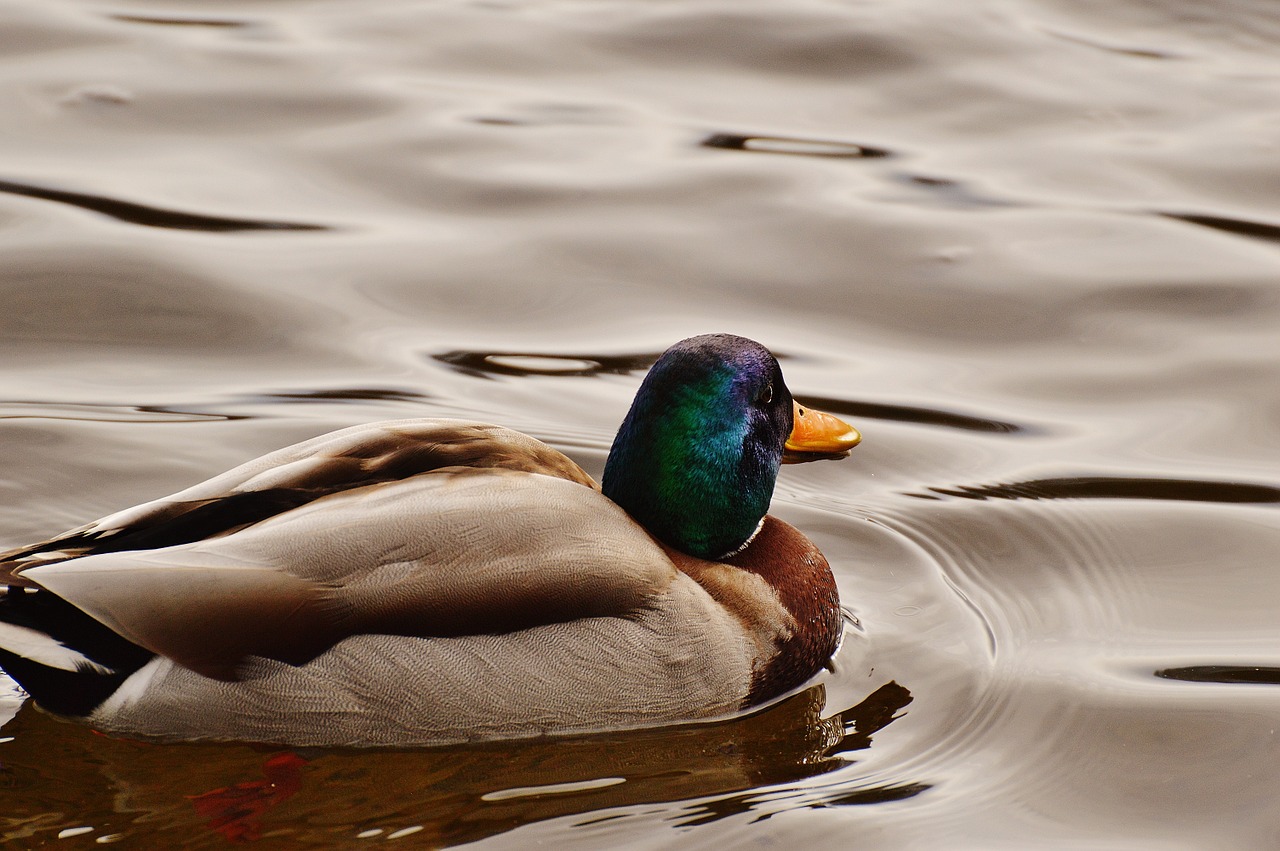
{"type": "Point", "coordinates": [294, 476]}
{"type": "Point", "coordinates": [456, 551]}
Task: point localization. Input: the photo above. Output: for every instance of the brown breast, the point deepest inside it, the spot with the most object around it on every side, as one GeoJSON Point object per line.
{"type": "Point", "coordinates": [782, 589]}
{"type": "Point", "coordinates": [801, 576]}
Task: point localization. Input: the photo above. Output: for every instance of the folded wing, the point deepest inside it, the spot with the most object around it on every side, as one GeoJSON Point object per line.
{"type": "Point", "coordinates": [457, 551]}
{"type": "Point", "coordinates": [296, 475]}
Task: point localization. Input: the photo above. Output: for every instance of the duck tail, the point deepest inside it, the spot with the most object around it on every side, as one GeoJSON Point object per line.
{"type": "Point", "coordinates": [68, 662]}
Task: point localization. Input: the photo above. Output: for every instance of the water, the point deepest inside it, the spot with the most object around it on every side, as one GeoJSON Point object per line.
{"type": "Point", "coordinates": [1029, 247]}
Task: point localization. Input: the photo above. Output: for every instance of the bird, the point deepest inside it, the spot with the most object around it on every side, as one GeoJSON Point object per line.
{"type": "Point", "coordinates": [431, 581]}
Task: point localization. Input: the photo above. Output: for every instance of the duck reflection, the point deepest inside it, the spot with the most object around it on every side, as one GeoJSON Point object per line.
{"type": "Point", "coordinates": [447, 796]}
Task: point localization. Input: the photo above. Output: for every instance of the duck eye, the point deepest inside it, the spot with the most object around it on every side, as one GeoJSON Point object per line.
{"type": "Point", "coordinates": [766, 395]}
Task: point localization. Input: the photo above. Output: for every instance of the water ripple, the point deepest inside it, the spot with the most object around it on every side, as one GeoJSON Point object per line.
{"type": "Point", "coordinates": [479, 364]}
{"type": "Point", "coordinates": [857, 725]}
{"type": "Point", "coordinates": [1240, 227]}
{"type": "Point", "coordinates": [89, 412]}
{"type": "Point", "coordinates": [349, 394]}
{"type": "Point", "coordinates": [156, 217]}
{"type": "Point", "coordinates": [174, 21]}
{"type": "Point", "coordinates": [912, 414]}
{"type": "Point", "coordinates": [793, 146]}
{"type": "Point", "coordinates": [1122, 50]}
{"type": "Point", "coordinates": [952, 193]}
{"type": "Point", "coordinates": [1229, 674]}
{"type": "Point", "coordinates": [22, 409]}
{"type": "Point", "coordinates": [1114, 487]}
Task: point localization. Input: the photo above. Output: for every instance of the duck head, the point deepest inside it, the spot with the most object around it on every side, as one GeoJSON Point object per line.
{"type": "Point", "coordinates": [697, 456]}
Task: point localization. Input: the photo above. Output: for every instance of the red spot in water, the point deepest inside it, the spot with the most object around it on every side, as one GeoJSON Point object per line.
{"type": "Point", "coordinates": [236, 811]}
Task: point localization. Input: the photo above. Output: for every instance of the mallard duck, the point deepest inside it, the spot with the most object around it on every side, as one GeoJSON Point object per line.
{"type": "Point", "coordinates": [433, 580]}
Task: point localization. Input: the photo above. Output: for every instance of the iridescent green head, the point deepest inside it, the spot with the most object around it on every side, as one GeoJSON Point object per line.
{"type": "Point", "coordinates": [697, 456]}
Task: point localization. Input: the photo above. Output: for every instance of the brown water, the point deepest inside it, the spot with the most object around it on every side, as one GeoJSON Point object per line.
{"type": "Point", "coordinates": [1031, 247]}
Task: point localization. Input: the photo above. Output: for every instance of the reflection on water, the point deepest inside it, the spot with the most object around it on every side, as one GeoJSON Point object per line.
{"type": "Point", "coordinates": [1223, 674]}
{"type": "Point", "coordinates": [1113, 487]}
{"type": "Point", "coordinates": [140, 214]}
{"type": "Point", "coordinates": [1240, 227]}
{"type": "Point", "coordinates": [912, 414]}
{"type": "Point", "coordinates": [480, 364]}
{"type": "Point", "coordinates": [175, 21]}
{"type": "Point", "coordinates": [21, 410]}
{"type": "Point", "coordinates": [455, 794]}
{"type": "Point", "coordinates": [785, 145]}
{"type": "Point", "coordinates": [1029, 248]}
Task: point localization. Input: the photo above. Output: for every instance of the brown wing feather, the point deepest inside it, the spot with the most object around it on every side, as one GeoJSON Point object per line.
{"type": "Point", "coordinates": [294, 476]}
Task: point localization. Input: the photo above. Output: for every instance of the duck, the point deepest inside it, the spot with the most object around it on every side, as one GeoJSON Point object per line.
{"type": "Point", "coordinates": [434, 581]}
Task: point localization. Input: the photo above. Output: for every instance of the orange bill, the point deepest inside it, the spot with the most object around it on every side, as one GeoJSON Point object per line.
{"type": "Point", "coordinates": [817, 434]}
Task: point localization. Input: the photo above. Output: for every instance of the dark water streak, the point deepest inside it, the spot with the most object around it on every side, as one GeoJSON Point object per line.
{"type": "Point", "coordinates": [13, 409]}
{"type": "Point", "coordinates": [479, 364]}
{"type": "Point", "coordinates": [793, 146]}
{"type": "Point", "coordinates": [917, 415]}
{"type": "Point", "coordinates": [1262, 231]}
{"type": "Point", "coordinates": [1115, 487]}
{"type": "Point", "coordinates": [156, 217]}
{"type": "Point", "coordinates": [1229, 674]}
{"type": "Point", "coordinates": [174, 21]}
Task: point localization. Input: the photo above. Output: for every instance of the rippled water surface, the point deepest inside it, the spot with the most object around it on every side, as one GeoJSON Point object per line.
{"type": "Point", "coordinates": [1031, 247]}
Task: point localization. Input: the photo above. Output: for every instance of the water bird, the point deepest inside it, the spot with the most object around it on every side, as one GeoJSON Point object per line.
{"type": "Point", "coordinates": [432, 580]}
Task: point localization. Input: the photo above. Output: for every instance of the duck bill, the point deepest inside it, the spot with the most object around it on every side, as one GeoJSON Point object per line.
{"type": "Point", "coordinates": [816, 435]}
